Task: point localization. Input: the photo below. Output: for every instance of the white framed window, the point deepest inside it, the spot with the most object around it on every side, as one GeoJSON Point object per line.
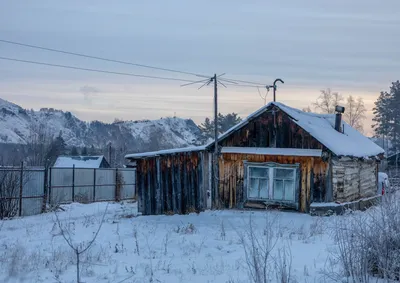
{"type": "Point", "coordinates": [284, 184]}
{"type": "Point", "coordinates": [258, 182]}
{"type": "Point", "coordinates": [273, 182]}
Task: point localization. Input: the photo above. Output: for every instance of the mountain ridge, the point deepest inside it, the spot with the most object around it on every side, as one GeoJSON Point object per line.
{"type": "Point", "coordinates": [20, 126]}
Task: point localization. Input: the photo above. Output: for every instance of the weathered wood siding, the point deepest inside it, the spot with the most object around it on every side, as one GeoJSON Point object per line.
{"type": "Point", "coordinates": [272, 130]}
{"type": "Point", "coordinates": [353, 179]}
{"type": "Point", "coordinates": [170, 184]}
{"type": "Point", "coordinates": [313, 172]}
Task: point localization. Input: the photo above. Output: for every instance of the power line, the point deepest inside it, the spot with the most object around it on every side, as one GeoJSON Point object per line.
{"type": "Point", "coordinates": [99, 58]}
{"type": "Point", "coordinates": [244, 85]}
{"type": "Point", "coordinates": [247, 82]}
{"type": "Point", "coordinates": [116, 73]}
{"type": "Point", "coordinates": [126, 63]}
{"type": "Point", "coordinates": [94, 70]}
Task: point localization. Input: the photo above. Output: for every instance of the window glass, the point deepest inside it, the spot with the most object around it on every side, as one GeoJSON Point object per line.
{"type": "Point", "coordinates": [259, 172]}
{"type": "Point", "coordinates": [258, 183]}
{"type": "Point", "coordinates": [264, 188]}
{"type": "Point", "coordinates": [278, 189]}
{"type": "Point", "coordinates": [253, 188]}
{"type": "Point", "coordinates": [289, 190]}
{"type": "Point", "coordinates": [283, 173]}
{"type": "Point", "coordinates": [283, 185]}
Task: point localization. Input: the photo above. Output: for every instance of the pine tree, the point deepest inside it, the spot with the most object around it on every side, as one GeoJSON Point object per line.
{"type": "Point", "coordinates": [229, 121]}
{"type": "Point", "coordinates": [92, 150]}
{"type": "Point", "coordinates": [57, 148]}
{"type": "Point", "coordinates": [74, 151]}
{"type": "Point", "coordinates": [207, 127]}
{"type": "Point", "coordinates": [225, 122]}
{"type": "Point", "coordinates": [387, 115]}
{"type": "Point", "coordinates": [84, 151]}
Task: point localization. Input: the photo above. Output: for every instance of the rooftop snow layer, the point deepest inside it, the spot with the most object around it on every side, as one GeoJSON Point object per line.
{"type": "Point", "coordinates": [78, 161]}
{"type": "Point", "coordinates": [322, 128]}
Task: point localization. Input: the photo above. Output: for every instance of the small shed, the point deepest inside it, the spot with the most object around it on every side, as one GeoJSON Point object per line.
{"type": "Point", "coordinates": [81, 162]}
{"type": "Point", "coordinates": [278, 156]}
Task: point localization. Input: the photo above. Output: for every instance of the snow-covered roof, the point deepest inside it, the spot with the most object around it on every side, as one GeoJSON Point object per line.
{"type": "Point", "coordinates": [322, 128]}
{"type": "Point", "coordinates": [78, 161]}
{"type": "Point", "coordinates": [273, 151]}
{"type": "Point", "coordinates": [163, 152]}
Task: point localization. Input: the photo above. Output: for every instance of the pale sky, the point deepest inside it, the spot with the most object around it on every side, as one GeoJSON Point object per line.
{"type": "Point", "coordinates": [350, 46]}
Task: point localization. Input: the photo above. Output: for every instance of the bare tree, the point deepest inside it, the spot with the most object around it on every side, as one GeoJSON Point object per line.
{"type": "Point", "coordinates": [39, 142]}
{"type": "Point", "coordinates": [307, 109]}
{"type": "Point", "coordinates": [10, 185]}
{"type": "Point", "coordinates": [9, 189]}
{"type": "Point", "coordinates": [367, 245]}
{"type": "Point", "coordinates": [355, 112]}
{"type": "Point", "coordinates": [81, 247]}
{"type": "Point", "coordinates": [327, 101]}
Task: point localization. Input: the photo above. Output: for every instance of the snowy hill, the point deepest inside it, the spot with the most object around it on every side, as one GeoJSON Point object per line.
{"type": "Point", "coordinates": [19, 125]}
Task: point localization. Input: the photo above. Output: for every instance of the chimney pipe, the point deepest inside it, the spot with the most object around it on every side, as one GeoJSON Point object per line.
{"type": "Point", "coordinates": [338, 119]}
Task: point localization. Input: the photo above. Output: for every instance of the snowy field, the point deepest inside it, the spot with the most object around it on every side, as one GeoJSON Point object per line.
{"type": "Point", "coordinates": [197, 248]}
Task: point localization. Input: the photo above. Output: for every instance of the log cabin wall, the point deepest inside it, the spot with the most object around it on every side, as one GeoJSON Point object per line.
{"type": "Point", "coordinates": [312, 181]}
{"type": "Point", "coordinates": [173, 183]}
{"type": "Point", "coordinates": [259, 132]}
{"type": "Point", "coordinates": [353, 179]}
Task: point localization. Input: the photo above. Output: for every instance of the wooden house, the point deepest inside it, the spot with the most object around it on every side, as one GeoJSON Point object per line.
{"type": "Point", "coordinates": [277, 156]}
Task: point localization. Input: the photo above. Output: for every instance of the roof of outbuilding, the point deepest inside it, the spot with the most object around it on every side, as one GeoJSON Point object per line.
{"type": "Point", "coordinates": [78, 161]}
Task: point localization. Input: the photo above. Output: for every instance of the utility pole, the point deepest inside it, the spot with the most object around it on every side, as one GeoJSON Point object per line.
{"type": "Point", "coordinates": [216, 171]}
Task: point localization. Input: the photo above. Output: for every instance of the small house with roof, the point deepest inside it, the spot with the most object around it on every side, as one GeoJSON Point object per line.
{"type": "Point", "coordinates": [81, 162]}
{"type": "Point", "coordinates": [277, 156]}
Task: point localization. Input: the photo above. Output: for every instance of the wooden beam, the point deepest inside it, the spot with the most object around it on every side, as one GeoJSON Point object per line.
{"type": "Point", "coordinates": [158, 196]}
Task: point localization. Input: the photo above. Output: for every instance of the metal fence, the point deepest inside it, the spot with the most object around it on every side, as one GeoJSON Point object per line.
{"type": "Point", "coordinates": [91, 185]}
{"type": "Point", "coordinates": [22, 191]}
{"type": "Point", "coordinates": [26, 191]}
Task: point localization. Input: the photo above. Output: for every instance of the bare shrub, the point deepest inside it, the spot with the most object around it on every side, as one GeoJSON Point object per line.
{"type": "Point", "coordinates": [9, 191]}
{"type": "Point", "coordinates": [258, 246]}
{"type": "Point", "coordinates": [223, 232]}
{"type": "Point", "coordinates": [165, 243]}
{"type": "Point", "coordinates": [78, 248]}
{"type": "Point", "coordinates": [283, 265]}
{"type": "Point", "coordinates": [367, 244]}
{"type": "Point", "coordinates": [186, 229]}
{"type": "Point", "coordinates": [135, 236]}
{"type": "Point", "coordinates": [82, 198]}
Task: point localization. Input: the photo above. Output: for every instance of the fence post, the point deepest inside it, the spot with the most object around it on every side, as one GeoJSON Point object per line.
{"type": "Point", "coordinates": [21, 181]}
{"type": "Point", "coordinates": [73, 183]}
{"type": "Point", "coordinates": [94, 185]}
{"type": "Point", "coordinates": [117, 188]}
{"type": "Point", "coordinates": [50, 169]}
{"type": "Point", "coordinates": [45, 188]}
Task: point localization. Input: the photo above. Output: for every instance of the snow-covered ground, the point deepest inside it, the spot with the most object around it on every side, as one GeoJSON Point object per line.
{"type": "Point", "coordinates": [205, 247]}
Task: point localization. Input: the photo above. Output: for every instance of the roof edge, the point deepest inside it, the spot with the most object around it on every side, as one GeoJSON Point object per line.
{"type": "Point", "coordinates": [164, 152]}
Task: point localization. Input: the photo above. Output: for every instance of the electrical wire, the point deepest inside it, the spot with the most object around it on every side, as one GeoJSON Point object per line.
{"type": "Point", "coordinates": [95, 70]}
{"type": "Point", "coordinates": [233, 81]}
{"type": "Point", "coordinates": [99, 58]}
